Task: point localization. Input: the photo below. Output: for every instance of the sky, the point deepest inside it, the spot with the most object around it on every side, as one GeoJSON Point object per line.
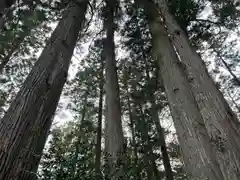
{"type": "Point", "coordinates": [64, 115]}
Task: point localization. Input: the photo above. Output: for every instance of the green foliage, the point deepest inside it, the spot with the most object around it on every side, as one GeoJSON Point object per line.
{"type": "Point", "coordinates": [70, 155]}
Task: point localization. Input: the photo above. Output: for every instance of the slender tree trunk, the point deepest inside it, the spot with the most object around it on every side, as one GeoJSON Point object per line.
{"type": "Point", "coordinates": [132, 116]}
{"type": "Point", "coordinates": [235, 78]}
{"type": "Point", "coordinates": [148, 154]}
{"type": "Point", "coordinates": [99, 127]}
{"type": "Point", "coordinates": [114, 129]}
{"type": "Point", "coordinates": [200, 160]}
{"type": "Point", "coordinates": [222, 124]}
{"type": "Point", "coordinates": [166, 159]}
{"type": "Point", "coordinates": [132, 131]}
{"type": "Point", "coordinates": [25, 126]}
{"type": "Point", "coordinates": [79, 136]}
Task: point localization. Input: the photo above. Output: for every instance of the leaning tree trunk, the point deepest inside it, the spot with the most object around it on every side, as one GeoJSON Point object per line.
{"type": "Point", "coordinates": [24, 128]}
{"type": "Point", "coordinates": [114, 129]}
{"type": "Point", "coordinates": [222, 124]}
{"type": "Point", "coordinates": [199, 159]}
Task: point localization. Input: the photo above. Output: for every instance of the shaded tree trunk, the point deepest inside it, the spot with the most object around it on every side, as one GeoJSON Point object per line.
{"type": "Point", "coordinates": [99, 127]}
{"type": "Point", "coordinates": [199, 158]}
{"type": "Point", "coordinates": [79, 136]}
{"type": "Point", "coordinates": [114, 128]}
{"type": "Point", "coordinates": [132, 131]}
{"type": "Point", "coordinates": [149, 162]}
{"type": "Point", "coordinates": [25, 126]}
{"type": "Point", "coordinates": [162, 142]}
{"type": "Point", "coordinates": [222, 124]}
{"type": "Point", "coordinates": [160, 131]}
{"type": "Point", "coordinates": [235, 78]}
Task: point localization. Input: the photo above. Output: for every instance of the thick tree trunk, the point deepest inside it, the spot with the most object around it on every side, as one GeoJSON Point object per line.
{"type": "Point", "coordinates": [24, 128]}
{"type": "Point", "coordinates": [114, 129]}
{"type": "Point", "coordinates": [222, 124]}
{"type": "Point", "coordinates": [200, 161]}
{"type": "Point", "coordinates": [99, 127]}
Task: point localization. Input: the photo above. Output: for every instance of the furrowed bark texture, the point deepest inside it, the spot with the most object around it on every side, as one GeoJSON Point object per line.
{"type": "Point", "coordinates": [222, 124]}
{"type": "Point", "coordinates": [114, 127]}
{"type": "Point", "coordinates": [199, 159]}
{"type": "Point", "coordinates": [24, 128]}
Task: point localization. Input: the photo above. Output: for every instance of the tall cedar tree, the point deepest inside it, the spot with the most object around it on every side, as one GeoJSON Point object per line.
{"type": "Point", "coordinates": [25, 126]}
{"type": "Point", "coordinates": [115, 151]}
{"type": "Point", "coordinates": [139, 43]}
{"type": "Point", "coordinates": [194, 140]}
{"type": "Point", "coordinates": [222, 124]}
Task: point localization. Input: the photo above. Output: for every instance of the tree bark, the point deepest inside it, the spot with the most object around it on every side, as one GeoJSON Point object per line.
{"type": "Point", "coordinates": [148, 163]}
{"type": "Point", "coordinates": [99, 127]}
{"type": "Point", "coordinates": [199, 158]}
{"type": "Point", "coordinates": [162, 142]}
{"type": "Point", "coordinates": [114, 129]}
{"type": "Point", "coordinates": [25, 126]}
{"type": "Point", "coordinates": [132, 131]}
{"type": "Point", "coordinates": [222, 124]}
{"type": "Point", "coordinates": [166, 159]}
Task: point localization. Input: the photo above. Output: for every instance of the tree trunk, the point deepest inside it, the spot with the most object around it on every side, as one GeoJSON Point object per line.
{"type": "Point", "coordinates": [222, 124]}
{"type": "Point", "coordinates": [200, 161]}
{"type": "Point", "coordinates": [149, 162]}
{"type": "Point", "coordinates": [79, 136]}
{"type": "Point", "coordinates": [24, 128]}
{"type": "Point", "coordinates": [235, 78]}
{"type": "Point", "coordinates": [161, 136]}
{"type": "Point", "coordinates": [166, 160]}
{"type": "Point", "coordinates": [114, 129]}
{"type": "Point", "coordinates": [132, 131]}
{"type": "Point", "coordinates": [99, 127]}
